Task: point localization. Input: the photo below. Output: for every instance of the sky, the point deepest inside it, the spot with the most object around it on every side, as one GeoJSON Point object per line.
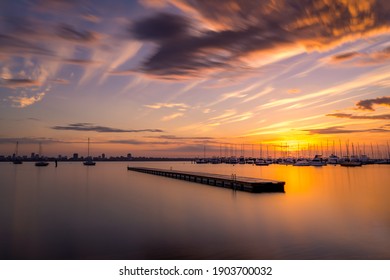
{"type": "Point", "coordinates": [178, 77]}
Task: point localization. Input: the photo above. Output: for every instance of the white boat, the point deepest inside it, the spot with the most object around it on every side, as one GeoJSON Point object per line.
{"type": "Point", "coordinates": [89, 161]}
{"type": "Point", "coordinates": [302, 162]}
{"type": "Point", "coordinates": [201, 161]}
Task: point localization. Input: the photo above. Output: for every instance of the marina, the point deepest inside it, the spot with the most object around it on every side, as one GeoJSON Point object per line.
{"type": "Point", "coordinates": [234, 182]}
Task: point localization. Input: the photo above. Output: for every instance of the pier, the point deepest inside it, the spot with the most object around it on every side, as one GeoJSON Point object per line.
{"type": "Point", "coordinates": [233, 182]}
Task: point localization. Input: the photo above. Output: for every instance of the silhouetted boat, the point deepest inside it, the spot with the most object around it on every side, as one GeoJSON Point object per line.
{"type": "Point", "coordinates": [89, 161]}
{"type": "Point", "coordinates": [261, 162]}
{"type": "Point", "coordinates": [333, 159]}
{"type": "Point", "coordinates": [351, 163]}
{"type": "Point", "coordinates": [41, 162]}
{"type": "Point", "coordinates": [317, 161]}
{"type": "Point", "coordinates": [302, 162]}
{"type": "Point", "coordinates": [16, 159]}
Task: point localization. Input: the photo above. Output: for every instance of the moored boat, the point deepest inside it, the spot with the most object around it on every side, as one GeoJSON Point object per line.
{"type": "Point", "coordinates": [42, 162]}
{"type": "Point", "coordinates": [317, 161]}
{"type": "Point", "coordinates": [89, 161]}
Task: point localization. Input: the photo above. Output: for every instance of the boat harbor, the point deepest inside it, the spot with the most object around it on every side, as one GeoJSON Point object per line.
{"type": "Point", "coordinates": [254, 185]}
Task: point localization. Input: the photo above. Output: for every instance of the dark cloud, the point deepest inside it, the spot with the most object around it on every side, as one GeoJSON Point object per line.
{"type": "Point", "coordinates": [102, 129]}
{"type": "Point", "coordinates": [173, 137]}
{"type": "Point", "coordinates": [160, 27]}
{"type": "Point", "coordinates": [364, 58]}
{"type": "Point", "coordinates": [137, 142]}
{"type": "Point", "coordinates": [12, 45]}
{"type": "Point", "coordinates": [29, 140]}
{"type": "Point", "coordinates": [368, 104]}
{"type": "Point", "coordinates": [232, 30]}
{"type": "Point", "coordinates": [345, 56]}
{"type": "Point", "coordinates": [360, 117]}
{"type": "Point", "coordinates": [17, 83]}
{"type": "Point", "coordinates": [70, 33]}
{"type": "Point", "coordinates": [341, 130]}
{"type": "Point", "coordinates": [80, 61]}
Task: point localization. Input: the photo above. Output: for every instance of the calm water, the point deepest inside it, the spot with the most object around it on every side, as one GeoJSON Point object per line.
{"type": "Point", "coordinates": [107, 212]}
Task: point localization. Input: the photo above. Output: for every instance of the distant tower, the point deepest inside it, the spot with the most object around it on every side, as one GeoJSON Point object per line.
{"type": "Point", "coordinates": [75, 156]}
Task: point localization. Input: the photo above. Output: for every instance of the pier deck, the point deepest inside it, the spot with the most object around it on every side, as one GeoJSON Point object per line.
{"type": "Point", "coordinates": [254, 185]}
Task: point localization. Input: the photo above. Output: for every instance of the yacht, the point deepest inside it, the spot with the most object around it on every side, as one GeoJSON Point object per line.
{"type": "Point", "coordinates": [333, 159]}
{"type": "Point", "coordinates": [302, 162]}
{"type": "Point", "coordinates": [317, 161]}
{"type": "Point", "coordinates": [261, 162]}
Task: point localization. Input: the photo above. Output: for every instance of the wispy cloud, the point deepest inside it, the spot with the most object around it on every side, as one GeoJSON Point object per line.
{"type": "Point", "coordinates": [101, 129]}
{"type": "Point", "coordinates": [172, 116]}
{"type": "Point", "coordinates": [259, 94]}
{"type": "Point", "coordinates": [341, 130]}
{"type": "Point", "coordinates": [167, 105]}
{"type": "Point", "coordinates": [229, 116]}
{"type": "Point", "coordinates": [71, 33]}
{"type": "Point", "coordinates": [173, 137]}
{"type": "Point", "coordinates": [294, 91]}
{"type": "Point", "coordinates": [360, 117]}
{"type": "Point", "coordinates": [363, 80]}
{"type": "Point", "coordinates": [30, 140]}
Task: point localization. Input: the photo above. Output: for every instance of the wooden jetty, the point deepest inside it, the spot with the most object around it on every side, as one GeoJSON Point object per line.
{"type": "Point", "coordinates": [234, 182]}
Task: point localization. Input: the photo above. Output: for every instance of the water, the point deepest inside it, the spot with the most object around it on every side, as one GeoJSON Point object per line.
{"type": "Point", "coordinates": [107, 212]}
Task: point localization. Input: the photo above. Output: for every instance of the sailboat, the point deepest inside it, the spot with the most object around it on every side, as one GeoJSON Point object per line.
{"type": "Point", "coordinates": [41, 162]}
{"type": "Point", "coordinates": [16, 159]}
{"type": "Point", "coordinates": [89, 161]}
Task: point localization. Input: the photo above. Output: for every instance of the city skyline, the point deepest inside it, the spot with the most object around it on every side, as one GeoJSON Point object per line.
{"type": "Point", "coordinates": [166, 78]}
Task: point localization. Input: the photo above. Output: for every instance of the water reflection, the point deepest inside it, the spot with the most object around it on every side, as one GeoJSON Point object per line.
{"type": "Point", "coordinates": [107, 212]}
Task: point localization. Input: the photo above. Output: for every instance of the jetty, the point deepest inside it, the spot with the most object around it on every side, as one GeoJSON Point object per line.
{"type": "Point", "coordinates": [254, 185]}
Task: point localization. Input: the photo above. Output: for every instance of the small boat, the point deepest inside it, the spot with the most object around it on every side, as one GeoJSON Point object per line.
{"type": "Point", "coordinates": [201, 161]}
{"type": "Point", "coordinates": [261, 162]}
{"type": "Point", "coordinates": [41, 162]}
{"type": "Point", "coordinates": [16, 159]}
{"type": "Point", "coordinates": [89, 161]}
{"type": "Point", "coordinates": [301, 162]}
{"type": "Point", "coordinates": [351, 163]}
{"type": "Point", "coordinates": [317, 161]}
{"type": "Point", "coordinates": [333, 159]}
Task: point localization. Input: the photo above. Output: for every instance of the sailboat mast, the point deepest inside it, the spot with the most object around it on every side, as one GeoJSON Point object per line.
{"type": "Point", "coordinates": [17, 148]}
{"type": "Point", "coordinates": [88, 146]}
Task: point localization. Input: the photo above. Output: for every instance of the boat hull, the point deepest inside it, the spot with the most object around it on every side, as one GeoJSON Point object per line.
{"type": "Point", "coordinates": [41, 164]}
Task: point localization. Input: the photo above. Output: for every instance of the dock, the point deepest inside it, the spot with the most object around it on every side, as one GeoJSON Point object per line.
{"type": "Point", "coordinates": [254, 185]}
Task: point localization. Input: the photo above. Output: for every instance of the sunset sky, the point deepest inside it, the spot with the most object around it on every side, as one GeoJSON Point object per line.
{"type": "Point", "coordinates": [166, 78]}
